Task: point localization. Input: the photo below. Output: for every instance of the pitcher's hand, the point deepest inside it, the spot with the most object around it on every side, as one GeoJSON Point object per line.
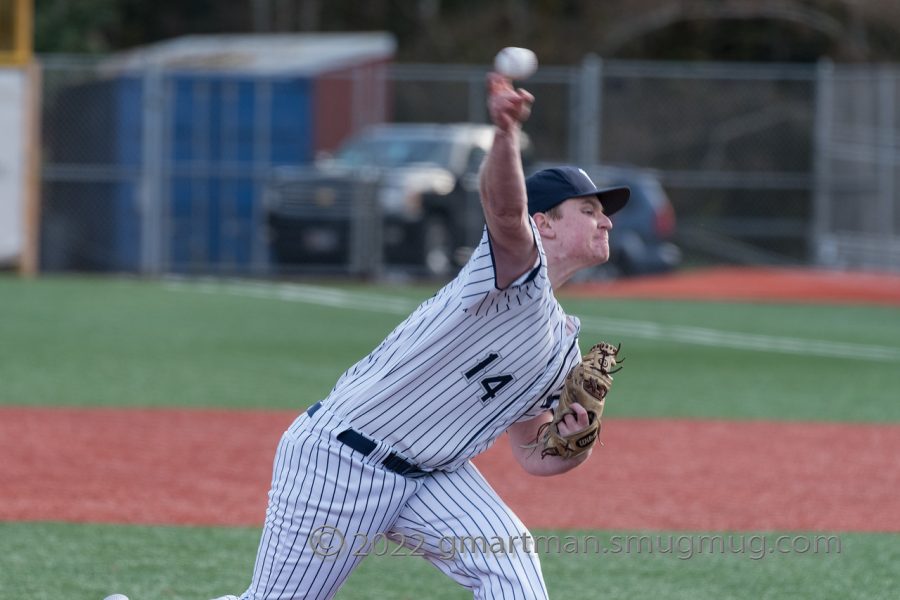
{"type": "Point", "coordinates": [508, 107]}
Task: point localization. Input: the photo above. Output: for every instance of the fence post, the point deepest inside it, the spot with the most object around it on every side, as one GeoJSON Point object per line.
{"type": "Point", "coordinates": [884, 210]}
{"type": "Point", "coordinates": [477, 98]}
{"type": "Point", "coordinates": [29, 263]}
{"type": "Point", "coordinates": [588, 126]}
{"type": "Point", "coordinates": [151, 178]}
{"type": "Point", "coordinates": [262, 172]}
{"type": "Point", "coordinates": [366, 245]}
{"type": "Point", "coordinates": [821, 251]}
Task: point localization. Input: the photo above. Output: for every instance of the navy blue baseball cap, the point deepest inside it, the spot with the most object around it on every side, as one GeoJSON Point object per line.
{"type": "Point", "coordinates": [553, 186]}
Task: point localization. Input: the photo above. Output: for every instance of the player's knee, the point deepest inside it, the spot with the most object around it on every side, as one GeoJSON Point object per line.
{"type": "Point", "coordinates": [527, 588]}
{"type": "Point", "coordinates": [516, 573]}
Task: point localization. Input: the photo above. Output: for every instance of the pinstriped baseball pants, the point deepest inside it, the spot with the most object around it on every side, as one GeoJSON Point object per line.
{"type": "Point", "coordinates": [330, 505]}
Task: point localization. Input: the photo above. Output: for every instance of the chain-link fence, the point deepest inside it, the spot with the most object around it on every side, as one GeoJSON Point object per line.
{"type": "Point", "coordinates": [856, 213]}
{"type": "Point", "coordinates": [154, 171]}
{"type": "Point", "coordinates": [732, 144]}
{"type": "Point", "coordinates": [159, 171]}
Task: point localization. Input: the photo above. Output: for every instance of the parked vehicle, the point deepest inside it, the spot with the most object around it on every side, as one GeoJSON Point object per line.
{"type": "Point", "coordinates": [404, 196]}
{"type": "Point", "coordinates": [419, 179]}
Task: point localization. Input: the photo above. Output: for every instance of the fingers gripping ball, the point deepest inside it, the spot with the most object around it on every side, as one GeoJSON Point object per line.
{"type": "Point", "coordinates": [516, 63]}
{"type": "Point", "coordinates": [587, 384]}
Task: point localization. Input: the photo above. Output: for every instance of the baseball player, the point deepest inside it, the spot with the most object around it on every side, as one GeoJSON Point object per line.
{"type": "Point", "coordinates": [388, 453]}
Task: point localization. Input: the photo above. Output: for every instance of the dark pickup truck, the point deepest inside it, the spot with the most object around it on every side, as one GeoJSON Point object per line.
{"type": "Point", "coordinates": [418, 181]}
{"type": "Point", "coordinates": [403, 197]}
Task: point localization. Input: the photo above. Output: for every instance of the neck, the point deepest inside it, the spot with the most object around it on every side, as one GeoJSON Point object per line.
{"type": "Point", "coordinates": [558, 273]}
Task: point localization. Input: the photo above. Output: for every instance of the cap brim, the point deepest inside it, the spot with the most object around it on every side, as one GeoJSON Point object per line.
{"type": "Point", "coordinates": [611, 199]}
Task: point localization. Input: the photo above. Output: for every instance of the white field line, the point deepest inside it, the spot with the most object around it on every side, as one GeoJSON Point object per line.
{"type": "Point", "coordinates": [335, 298]}
{"type": "Point", "coordinates": [742, 341]}
{"type": "Point", "coordinates": [291, 292]}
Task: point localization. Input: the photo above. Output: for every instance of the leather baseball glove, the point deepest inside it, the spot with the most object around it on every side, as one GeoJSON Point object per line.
{"type": "Point", "coordinates": [587, 383]}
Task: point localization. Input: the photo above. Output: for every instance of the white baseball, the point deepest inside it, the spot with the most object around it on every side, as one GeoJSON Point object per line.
{"type": "Point", "coordinates": [116, 597]}
{"type": "Point", "coordinates": [516, 63]}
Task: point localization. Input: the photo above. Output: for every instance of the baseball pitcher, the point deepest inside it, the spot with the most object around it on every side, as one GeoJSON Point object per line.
{"type": "Point", "coordinates": [387, 454]}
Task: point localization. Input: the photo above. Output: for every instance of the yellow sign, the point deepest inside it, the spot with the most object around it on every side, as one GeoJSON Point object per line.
{"type": "Point", "coordinates": [16, 31]}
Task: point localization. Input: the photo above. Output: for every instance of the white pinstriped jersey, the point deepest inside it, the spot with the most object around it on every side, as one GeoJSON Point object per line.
{"type": "Point", "coordinates": [468, 363]}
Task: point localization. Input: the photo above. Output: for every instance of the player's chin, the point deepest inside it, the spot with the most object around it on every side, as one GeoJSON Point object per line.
{"type": "Point", "coordinates": [596, 261]}
{"type": "Point", "coordinates": [601, 253]}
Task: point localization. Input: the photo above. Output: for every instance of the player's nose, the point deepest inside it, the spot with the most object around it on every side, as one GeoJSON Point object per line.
{"type": "Point", "coordinates": [604, 222]}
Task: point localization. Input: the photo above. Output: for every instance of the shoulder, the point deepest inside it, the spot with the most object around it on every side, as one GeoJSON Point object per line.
{"type": "Point", "coordinates": [480, 288]}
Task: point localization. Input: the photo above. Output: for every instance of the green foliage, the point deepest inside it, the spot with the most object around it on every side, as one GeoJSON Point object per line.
{"type": "Point", "coordinates": [75, 27]}
{"type": "Point", "coordinates": [473, 30]}
{"type": "Point", "coordinates": [99, 26]}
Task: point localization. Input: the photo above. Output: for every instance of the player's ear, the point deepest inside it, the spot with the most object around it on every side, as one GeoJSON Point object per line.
{"type": "Point", "coordinates": [544, 225]}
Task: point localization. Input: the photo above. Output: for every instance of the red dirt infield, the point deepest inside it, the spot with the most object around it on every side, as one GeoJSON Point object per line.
{"type": "Point", "coordinates": [212, 467]}
{"type": "Point", "coordinates": [753, 284]}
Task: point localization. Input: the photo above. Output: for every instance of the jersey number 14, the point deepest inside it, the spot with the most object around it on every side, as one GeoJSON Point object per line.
{"type": "Point", "coordinates": [492, 384]}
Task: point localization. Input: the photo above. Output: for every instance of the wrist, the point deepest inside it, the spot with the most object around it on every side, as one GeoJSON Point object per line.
{"type": "Point", "coordinates": [511, 132]}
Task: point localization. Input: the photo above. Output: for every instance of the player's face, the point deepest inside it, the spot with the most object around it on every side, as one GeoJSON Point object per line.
{"type": "Point", "coordinates": [585, 231]}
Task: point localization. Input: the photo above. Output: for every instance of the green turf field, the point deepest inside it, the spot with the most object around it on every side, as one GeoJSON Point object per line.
{"type": "Point", "coordinates": [49, 561]}
{"type": "Point", "coordinates": [98, 342]}
{"type": "Point", "coordinates": [123, 342]}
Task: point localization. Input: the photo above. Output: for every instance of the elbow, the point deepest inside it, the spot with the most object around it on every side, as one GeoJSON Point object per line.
{"type": "Point", "coordinates": [553, 465]}
{"type": "Point", "coordinates": [505, 214]}
{"type": "Point", "coordinates": [530, 460]}
{"type": "Point", "coordinates": [533, 463]}
{"type": "Point", "coordinates": [534, 468]}
{"type": "Point", "coordinates": [538, 472]}
{"type": "Point", "coordinates": [509, 225]}
{"type": "Point", "coordinates": [544, 468]}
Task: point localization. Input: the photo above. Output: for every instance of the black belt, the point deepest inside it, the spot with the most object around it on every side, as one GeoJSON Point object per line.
{"type": "Point", "coordinates": [353, 439]}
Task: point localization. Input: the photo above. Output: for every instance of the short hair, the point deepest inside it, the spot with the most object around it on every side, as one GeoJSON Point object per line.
{"type": "Point", "coordinates": [554, 213]}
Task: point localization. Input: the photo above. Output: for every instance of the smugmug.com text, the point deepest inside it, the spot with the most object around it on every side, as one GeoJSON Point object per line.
{"type": "Point", "coordinates": [329, 541]}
